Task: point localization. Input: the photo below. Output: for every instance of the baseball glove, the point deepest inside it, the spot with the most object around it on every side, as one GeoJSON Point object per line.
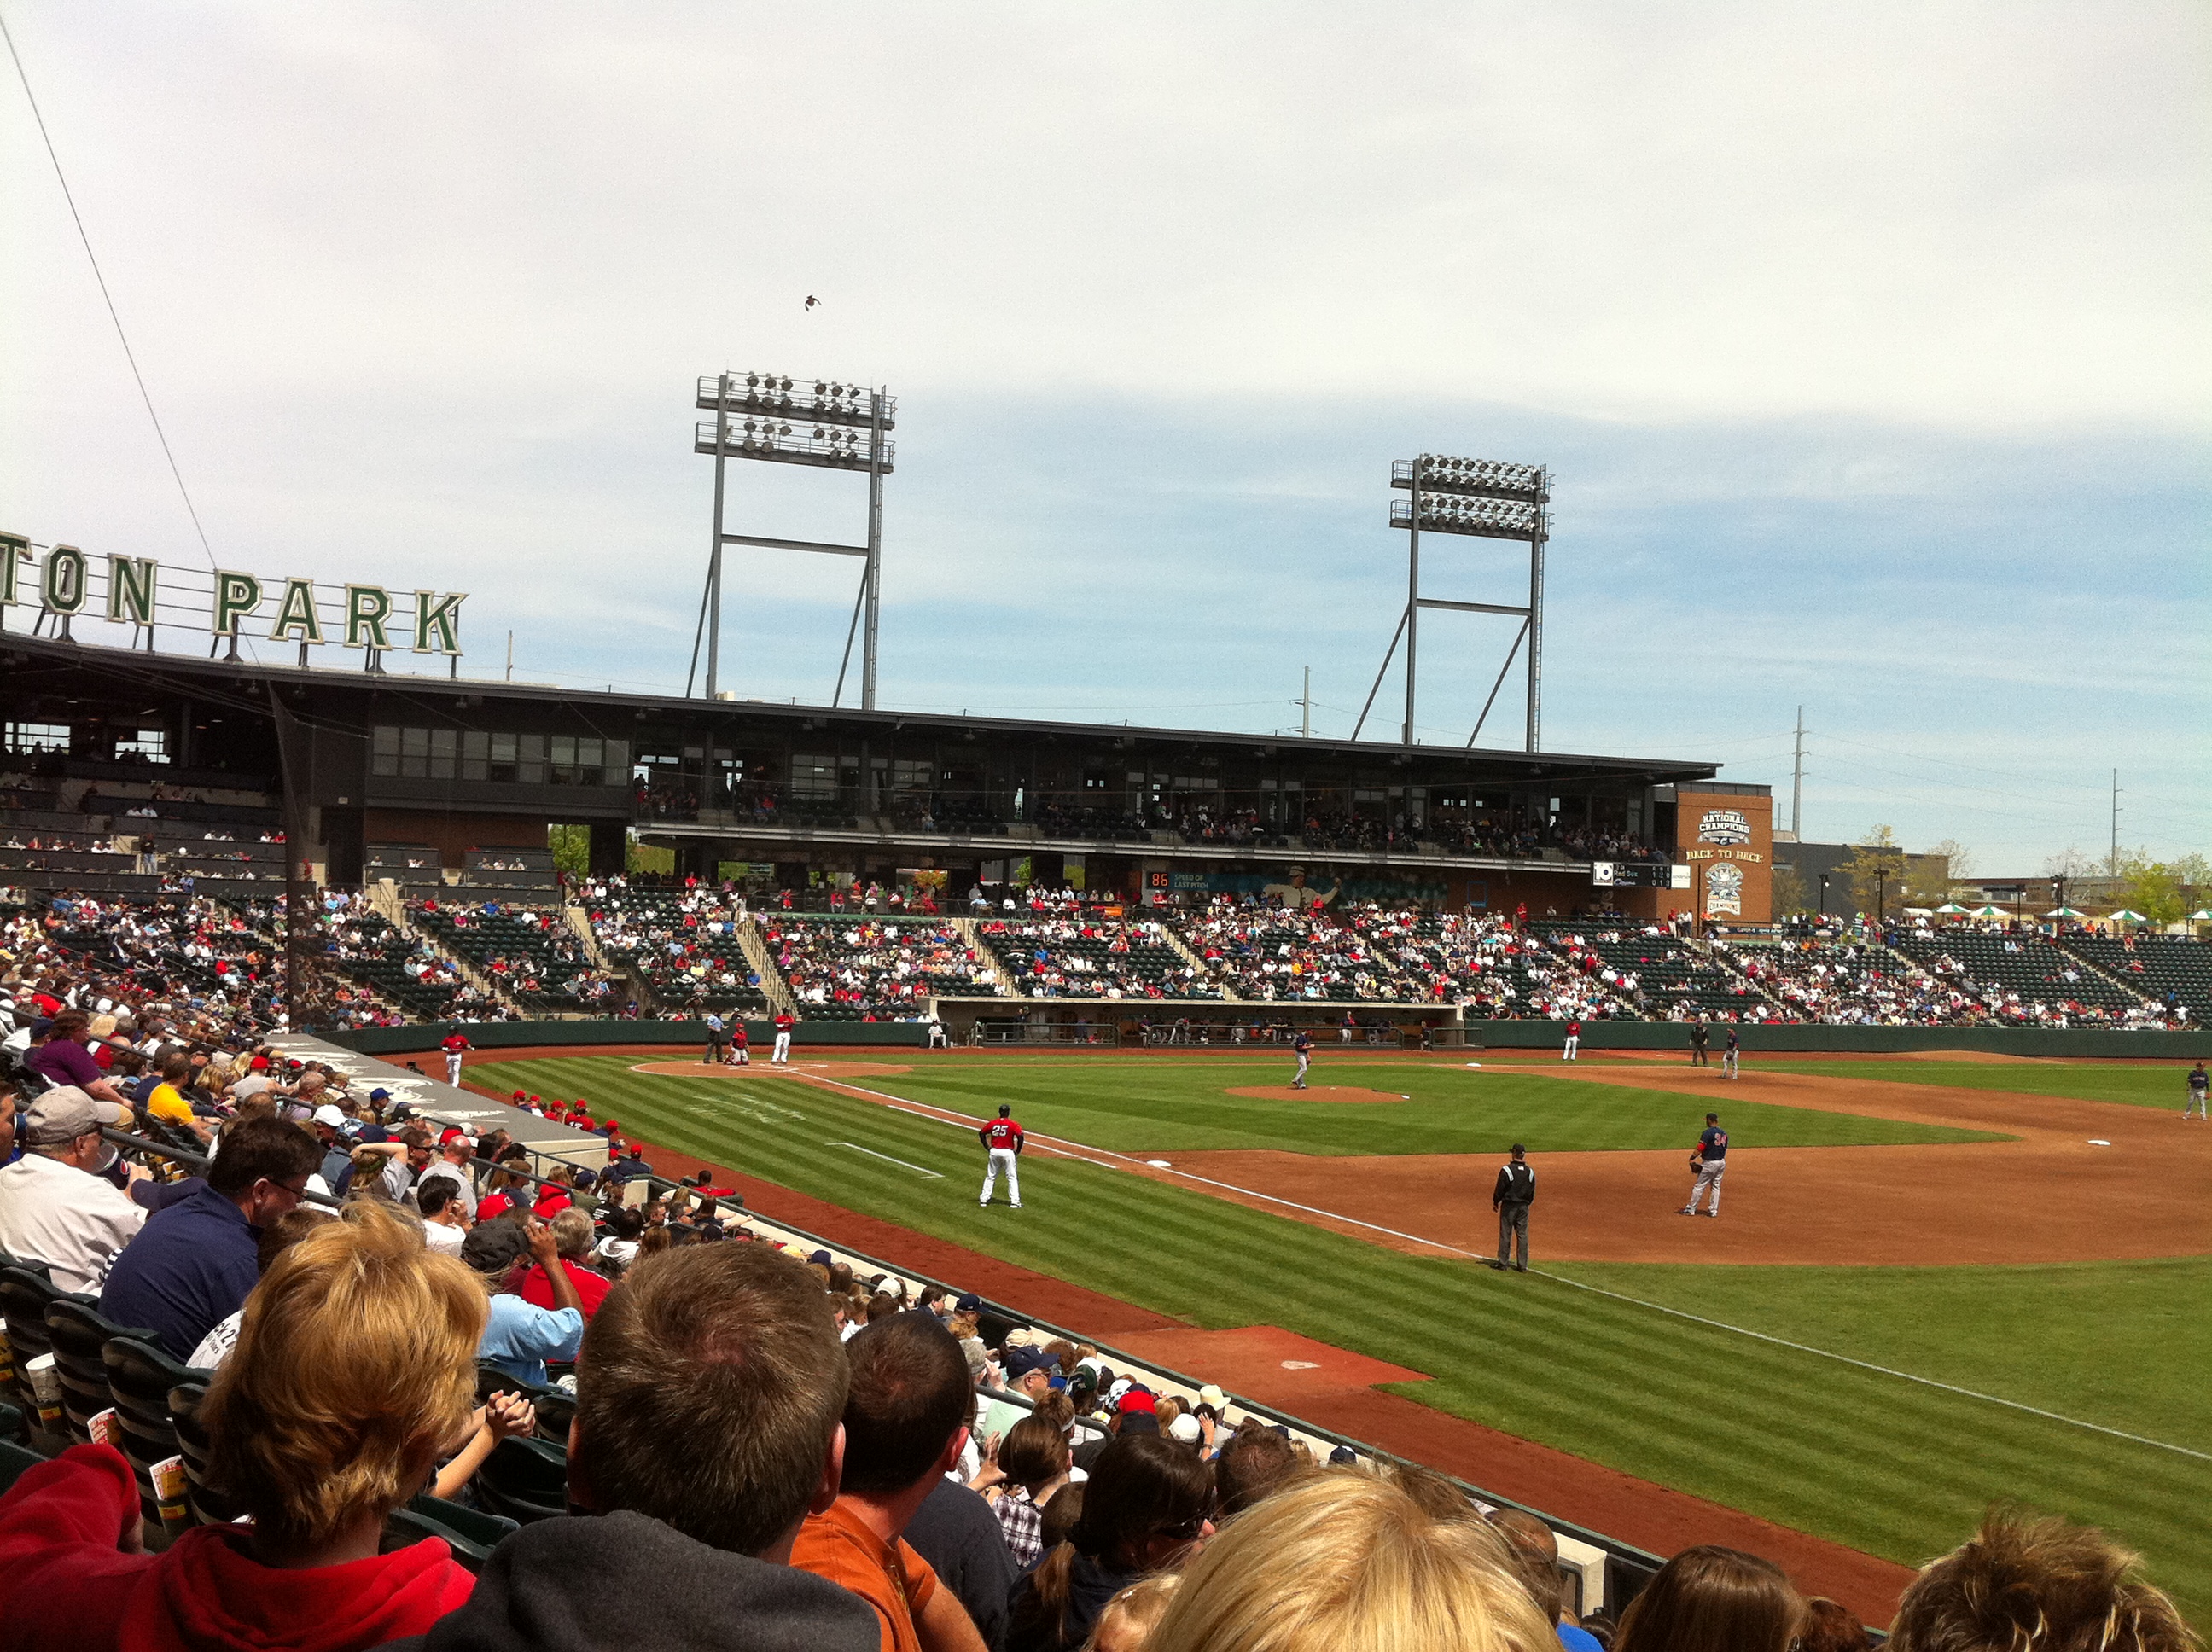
{"type": "Point", "coordinates": [1696, 1164]}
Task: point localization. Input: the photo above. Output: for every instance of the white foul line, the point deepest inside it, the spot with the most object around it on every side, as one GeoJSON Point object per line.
{"type": "Point", "coordinates": [887, 1158]}
{"type": "Point", "coordinates": [918, 1111]}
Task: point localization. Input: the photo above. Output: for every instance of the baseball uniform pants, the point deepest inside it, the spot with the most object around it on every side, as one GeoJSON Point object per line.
{"type": "Point", "coordinates": [1304, 1061]}
{"type": "Point", "coordinates": [2196, 1105]}
{"type": "Point", "coordinates": [1574, 1044]}
{"type": "Point", "coordinates": [782, 1056]}
{"type": "Point", "coordinates": [453, 1069]}
{"type": "Point", "coordinates": [1709, 1176]}
{"type": "Point", "coordinates": [1003, 1158]}
{"type": "Point", "coordinates": [1728, 1063]}
{"type": "Point", "coordinates": [1512, 1225]}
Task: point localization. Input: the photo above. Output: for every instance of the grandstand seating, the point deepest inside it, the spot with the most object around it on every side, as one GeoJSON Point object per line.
{"type": "Point", "coordinates": [2017, 978]}
{"type": "Point", "coordinates": [1075, 956]}
{"type": "Point", "coordinates": [2163, 968]}
{"type": "Point", "coordinates": [529, 955]}
{"type": "Point", "coordinates": [1271, 953]}
{"type": "Point", "coordinates": [1652, 974]}
{"type": "Point", "coordinates": [867, 967]}
{"type": "Point", "coordinates": [683, 943]}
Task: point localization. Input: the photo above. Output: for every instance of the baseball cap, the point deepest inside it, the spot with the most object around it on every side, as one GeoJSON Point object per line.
{"type": "Point", "coordinates": [494, 1246]}
{"type": "Point", "coordinates": [64, 1113]}
{"type": "Point", "coordinates": [450, 1132]}
{"type": "Point", "coordinates": [380, 1094]}
{"type": "Point", "coordinates": [1020, 1362]}
{"type": "Point", "coordinates": [1518, 1149]}
{"type": "Point", "coordinates": [1343, 1457]}
{"type": "Point", "coordinates": [820, 1256]}
{"type": "Point", "coordinates": [970, 1303]}
{"type": "Point", "coordinates": [1186, 1429]}
{"type": "Point", "coordinates": [1136, 1400]}
{"type": "Point", "coordinates": [330, 1116]}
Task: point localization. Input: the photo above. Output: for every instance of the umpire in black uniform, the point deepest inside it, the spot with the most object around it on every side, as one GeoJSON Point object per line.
{"type": "Point", "coordinates": [1514, 1192]}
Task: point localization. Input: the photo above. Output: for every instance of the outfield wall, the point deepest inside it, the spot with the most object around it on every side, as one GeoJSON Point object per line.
{"type": "Point", "coordinates": [2078, 1043]}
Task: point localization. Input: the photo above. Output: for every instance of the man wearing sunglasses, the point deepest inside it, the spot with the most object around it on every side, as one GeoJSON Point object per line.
{"type": "Point", "coordinates": [195, 1262]}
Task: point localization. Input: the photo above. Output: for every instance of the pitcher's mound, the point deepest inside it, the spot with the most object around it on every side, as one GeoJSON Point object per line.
{"type": "Point", "coordinates": [810, 1069]}
{"type": "Point", "coordinates": [1313, 1093]}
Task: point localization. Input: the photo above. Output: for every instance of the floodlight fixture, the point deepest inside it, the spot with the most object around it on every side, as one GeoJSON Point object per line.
{"type": "Point", "coordinates": [1482, 499]}
{"type": "Point", "coordinates": [786, 419]}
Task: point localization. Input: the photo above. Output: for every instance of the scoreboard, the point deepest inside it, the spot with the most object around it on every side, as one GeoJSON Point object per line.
{"type": "Point", "coordinates": [1639, 874]}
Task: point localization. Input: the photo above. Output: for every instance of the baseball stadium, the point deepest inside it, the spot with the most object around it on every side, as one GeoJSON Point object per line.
{"type": "Point", "coordinates": [870, 1081]}
{"type": "Point", "coordinates": [1271, 1016]}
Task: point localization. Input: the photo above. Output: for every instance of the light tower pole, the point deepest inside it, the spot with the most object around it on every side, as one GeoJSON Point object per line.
{"type": "Point", "coordinates": [817, 422]}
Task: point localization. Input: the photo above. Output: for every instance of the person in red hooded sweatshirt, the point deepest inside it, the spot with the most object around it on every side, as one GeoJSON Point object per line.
{"type": "Point", "coordinates": [355, 1368]}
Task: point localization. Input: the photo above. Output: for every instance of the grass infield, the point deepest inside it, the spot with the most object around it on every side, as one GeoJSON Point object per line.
{"type": "Point", "coordinates": [1893, 1467]}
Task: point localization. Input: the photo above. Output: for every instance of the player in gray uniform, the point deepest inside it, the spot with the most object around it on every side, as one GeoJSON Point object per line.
{"type": "Point", "coordinates": [1708, 1163]}
{"type": "Point", "coordinates": [2197, 1081]}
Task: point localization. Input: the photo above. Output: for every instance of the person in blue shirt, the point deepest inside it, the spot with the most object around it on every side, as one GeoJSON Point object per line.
{"type": "Point", "coordinates": [195, 1262]}
{"type": "Point", "coordinates": [1708, 1163]}
{"type": "Point", "coordinates": [519, 1337]}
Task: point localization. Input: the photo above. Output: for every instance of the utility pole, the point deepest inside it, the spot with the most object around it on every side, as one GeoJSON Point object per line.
{"type": "Point", "coordinates": [2112, 864]}
{"type": "Point", "coordinates": [1305, 705]}
{"type": "Point", "coordinates": [1797, 780]}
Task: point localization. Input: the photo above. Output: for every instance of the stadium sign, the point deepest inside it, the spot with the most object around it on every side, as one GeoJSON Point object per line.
{"type": "Point", "coordinates": [128, 591]}
{"type": "Point", "coordinates": [1723, 826]}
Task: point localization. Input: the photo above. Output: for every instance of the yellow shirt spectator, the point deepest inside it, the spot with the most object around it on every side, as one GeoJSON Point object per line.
{"type": "Point", "coordinates": [167, 1103]}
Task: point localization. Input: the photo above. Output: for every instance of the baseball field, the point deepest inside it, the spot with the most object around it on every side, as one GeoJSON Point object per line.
{"type": "Point", "coordinates": [1934, 1284]}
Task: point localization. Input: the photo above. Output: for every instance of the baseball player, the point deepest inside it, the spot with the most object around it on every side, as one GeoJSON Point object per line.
{"type": "Point", "coordinates": [741, 1044]}
{"type": "Point", "coordinates": [1514, 1192]}
{"type": "Point", "coordinates": [1574, 1041]}
{"type": "Point", "coordinates": [2196, 1084]}
{"type": "Point", "coordinates": [1729, 1052]}
{"type": "Point", "coordinates": [1708, 1162]}
{"type": "Point", "coordinates": [1303, 1044]}
{"type": "Point", "coordinates": [455, 1044]}
{"type": "Point", "coordinates": [1002, 1151]}
{"type": "Point", "coordinates": [785, 1021]}
{"type": "Point", "coordinates": [1699, 1039]}
{"type": "Point", "coordinates": [714, 1040]}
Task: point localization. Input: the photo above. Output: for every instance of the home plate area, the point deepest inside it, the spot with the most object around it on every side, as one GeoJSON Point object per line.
{"type": "Point", "coordinates": [1264, 1363]}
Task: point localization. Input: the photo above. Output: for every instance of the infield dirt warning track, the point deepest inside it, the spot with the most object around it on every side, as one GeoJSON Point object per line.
{"type": "Point", "coordinates": [2047, 1196]}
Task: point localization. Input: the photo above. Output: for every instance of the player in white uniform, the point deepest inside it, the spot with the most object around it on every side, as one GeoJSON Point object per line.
{"type": "Point", "coordinates": [1002, 1148]}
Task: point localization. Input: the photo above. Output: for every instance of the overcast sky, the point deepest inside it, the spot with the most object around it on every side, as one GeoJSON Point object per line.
{"type": "Point", "coordinates": [1869, 347]}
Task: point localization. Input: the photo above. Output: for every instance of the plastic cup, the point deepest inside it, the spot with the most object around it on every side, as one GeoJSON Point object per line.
{"type": "Point", "coordinates": [46, 1388]}
{"type": "Point", "coordinates": [171, 1485]}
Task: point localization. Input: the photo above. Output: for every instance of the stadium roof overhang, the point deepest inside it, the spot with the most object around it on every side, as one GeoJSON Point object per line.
{"type": "Point", "coordinates": [41, 669]}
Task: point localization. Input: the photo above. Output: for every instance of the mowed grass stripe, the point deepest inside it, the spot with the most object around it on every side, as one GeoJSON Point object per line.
{"type": "Point", "coordinates": [1883, 1465]}
{"type": "Point", "coordinates": [2155, 1084]}
{"type": "Point", "coordinates": [1185, 1107]}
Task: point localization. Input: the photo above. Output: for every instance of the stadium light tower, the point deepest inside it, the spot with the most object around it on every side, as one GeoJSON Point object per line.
{"type": "Point", "coordinates": [1485, 499]}
{"type": "Point", "coordinates": [829, 425]}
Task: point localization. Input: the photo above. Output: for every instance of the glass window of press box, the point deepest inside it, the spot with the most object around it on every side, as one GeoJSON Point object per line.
{"type": "Point", "coordinates": [448, 754]}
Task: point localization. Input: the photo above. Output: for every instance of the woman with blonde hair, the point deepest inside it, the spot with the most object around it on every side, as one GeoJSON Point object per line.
{"type": "Point", "coordinates": [1345, 1561]}
{"type": "Point", "coordinates": [1709, 1599]}
{"type": "Point", "coordinates": [1130, 1617]}
{"type": "Point", "coordinates": [355, 1366]}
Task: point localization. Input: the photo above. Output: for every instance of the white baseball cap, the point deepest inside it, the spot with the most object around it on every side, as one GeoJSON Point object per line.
{"type": "Point", "coordinates": [330, 1116]}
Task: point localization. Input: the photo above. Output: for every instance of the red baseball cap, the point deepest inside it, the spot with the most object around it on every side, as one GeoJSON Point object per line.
{"type": "Point", "coordinates": [1137, 1399]}
{"type": "Point", "coordinates": [452, 1131]}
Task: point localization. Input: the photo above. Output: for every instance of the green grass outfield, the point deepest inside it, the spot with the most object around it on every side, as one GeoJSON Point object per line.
{"type": "Point", "coordinates": [1166, 1104]}
{"type": "Point", "coordinates": [2145, 1084]}
{"type": "Point", "coordinates": [1893, 1467]}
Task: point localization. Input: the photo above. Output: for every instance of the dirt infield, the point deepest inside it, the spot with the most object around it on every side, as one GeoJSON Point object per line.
{"type": "Point", "coordinates": [1338, 1093]}
{"type": "Point", "coordinates": [2049, 1196]}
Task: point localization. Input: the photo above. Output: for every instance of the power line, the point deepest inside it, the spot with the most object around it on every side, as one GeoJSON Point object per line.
{"type": "Point", "coordinates": [91, 257]}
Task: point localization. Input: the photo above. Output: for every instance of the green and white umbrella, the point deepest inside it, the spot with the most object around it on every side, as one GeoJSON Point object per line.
{"type": "Point", "coordinates": [2202, 916]}
{"type": "Point", "coordinates": [1953, 909]}
{"type": "Point", "coordinates": [2065, 912]}
{"type": "Point", "coordinates": [2125, 915]}
{"type": "Point", "coordinates": [1989, 912]}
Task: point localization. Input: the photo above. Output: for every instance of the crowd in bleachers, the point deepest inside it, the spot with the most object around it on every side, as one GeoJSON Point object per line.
{"type": "Point", "coordinates": [527, 953]}
{"type": "Point", "coordinates": [1270, 953]}
{"type": "Point", "coordinates": [872, 969]}
{"type": "Point", "coordinates": [1058, 950]}
{"type": "Point", "coordinates": [683, 942]}
{"type": "Point", "coordinates": [359, 1378]}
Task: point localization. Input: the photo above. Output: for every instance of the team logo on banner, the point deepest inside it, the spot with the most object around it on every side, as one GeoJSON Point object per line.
{"type": "Point", "coordinates": [1723, 826]}
{"type": "Point", "coordinates": [1723, 889]}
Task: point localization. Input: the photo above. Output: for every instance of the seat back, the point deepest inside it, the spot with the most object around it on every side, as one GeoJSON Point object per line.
{"type": "Point", "coordinates": [209, 1506]}
{"type": "Point", "coordinates": [405, 1527]}
{"type": "Point", "coordinates": [486, 1531]}
{"type": "Point", "coordinates": [139, 1378]}
{"type": "Point", "coordinates": [24, 1298]}
{"type": "Point", "coordinates": [524, 1479]}
{"type": "Point", "coordinates": [556, 1409]}
{"type": "Point", "coordinates": [80, 1337]}
{"type": "Point", "coordinates": [12, 1425]}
